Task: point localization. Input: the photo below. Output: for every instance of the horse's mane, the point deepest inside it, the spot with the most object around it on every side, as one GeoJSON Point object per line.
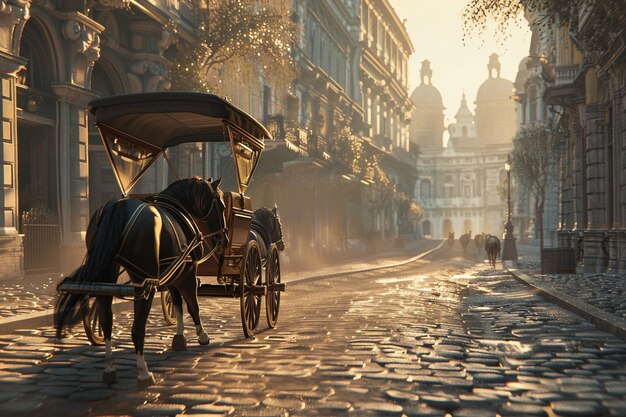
{"type": "Point", "coordinates": [195, 194]}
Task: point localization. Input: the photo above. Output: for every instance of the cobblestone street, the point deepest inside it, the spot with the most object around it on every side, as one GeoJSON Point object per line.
{"type": "Point", "coordinates": [434, 337]}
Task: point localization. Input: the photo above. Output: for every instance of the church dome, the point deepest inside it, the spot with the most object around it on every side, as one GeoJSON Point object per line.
{"type": "Point", "coordinates": [494, 87]}
{"type": "Point", "coordinates": [427, 95]}
{"type": "Point", "coordinates": [426, 128]}
{"type": "Point", "coordinates": [495, 108]}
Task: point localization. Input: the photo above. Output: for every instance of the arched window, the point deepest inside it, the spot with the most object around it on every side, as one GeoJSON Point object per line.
{"type": "Point", "coordinates": [532, 104]}
{"type": "Point", "coordinates": [467, 226]}
{"type": "Point", "coordinates": [34, 47]}
{"type": "Point", "coordinates": [447, 228]}
{"type": "Point", "coordinates": [425, 189]}
{"type": "Point", "coordinates": [448, 186]}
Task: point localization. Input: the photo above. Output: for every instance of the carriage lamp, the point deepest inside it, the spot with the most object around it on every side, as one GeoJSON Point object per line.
{"type": "Point", "coordinates": [509, 252]}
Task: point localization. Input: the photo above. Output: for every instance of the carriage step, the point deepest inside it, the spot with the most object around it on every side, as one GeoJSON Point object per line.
{"type": "Point", "coordinates": [115, 290]}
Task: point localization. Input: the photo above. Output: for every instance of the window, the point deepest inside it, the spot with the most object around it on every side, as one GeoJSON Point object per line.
{"type": "Point", "coordinates": [425, 189]}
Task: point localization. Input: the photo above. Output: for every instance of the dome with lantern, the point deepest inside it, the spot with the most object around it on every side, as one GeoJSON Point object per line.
{"type": "Point", "coordinates": [426, 129]}
{"type": "Point", "coordinates": [495, 108]}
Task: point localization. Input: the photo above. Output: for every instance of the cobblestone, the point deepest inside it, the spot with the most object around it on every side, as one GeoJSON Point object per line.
{"type": "Point", "coordinates": [345, 346]}
{"type": "Point", "coordinates": [605, 291]}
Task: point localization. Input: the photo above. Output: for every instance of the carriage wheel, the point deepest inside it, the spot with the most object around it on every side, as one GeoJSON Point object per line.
{"type": "Point", "coordinates": [91, 321]}
{"type": "Point", "coordinates": [250, 277]}
{"type": "Point", "coordinates": [169, 311]}
{"type": "Point", "coordinates": [272, 276]}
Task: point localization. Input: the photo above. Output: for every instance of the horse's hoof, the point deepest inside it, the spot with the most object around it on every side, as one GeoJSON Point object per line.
{"type": "Point", "coordinates": [179, 342]}
{"type": "Point", "coordinates": [109, 377]}
{"type": "Point", "coordinates": [146, 382]}
{"type": "Point", "coordinates": [204, 339]}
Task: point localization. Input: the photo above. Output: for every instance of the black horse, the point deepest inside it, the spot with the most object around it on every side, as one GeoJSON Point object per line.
{"type": "Point", "coordinates": [450, 239]}
{"type": "Point", "coordinates": [154, 238]}
{"type": "Point", "coordinates": [492, 247]}
{"type": "Point", "coordinates": [479, 241]}
{"type": "Point", "coordinates": [465, 240]}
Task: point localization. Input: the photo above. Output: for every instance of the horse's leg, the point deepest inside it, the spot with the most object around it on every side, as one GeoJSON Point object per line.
{"type": "Point", "coordinates": [109, 375]}
{"type": "Point", "coordinates": [179, 342]}
{"type": "Point", "coordinates": [142, 310]}
{"type": "Point", "coordinates": [188, 287]}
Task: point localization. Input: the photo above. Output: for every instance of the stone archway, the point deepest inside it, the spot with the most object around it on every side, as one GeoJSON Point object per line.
{"type": "Point", "coordinates": [37, 167]}
{"type": "Point", "coordinates": [427, 228]}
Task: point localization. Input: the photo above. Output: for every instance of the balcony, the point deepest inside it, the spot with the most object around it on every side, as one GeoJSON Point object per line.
{"type": "Point", "coordinates": [566, 74]}
{"type": "Point", "coordinates": [565, 89]}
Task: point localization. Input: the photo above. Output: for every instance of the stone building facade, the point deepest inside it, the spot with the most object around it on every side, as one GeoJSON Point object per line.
{"type": "Point", "coordinates": [586, 87]}
{"type": "Point", "coordinates": [460, 185]}
{"type": "Point", "coordinates": [387, 108]}
{"type": "Point", "coordinates": [57, 56]}
{"type": "Point", "coordinates": [534, 111]}
{"type": "Point", "coordinates": [351, 80]}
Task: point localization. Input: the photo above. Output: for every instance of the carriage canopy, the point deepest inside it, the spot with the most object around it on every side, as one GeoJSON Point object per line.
{"type": "Point", "coordinates": [137, 128]}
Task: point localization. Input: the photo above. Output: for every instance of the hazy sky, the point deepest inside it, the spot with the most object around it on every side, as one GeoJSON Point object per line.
{"type": "Point", "coordinates": [435, 28]}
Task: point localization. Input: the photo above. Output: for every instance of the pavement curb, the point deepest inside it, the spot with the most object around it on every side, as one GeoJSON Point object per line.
{"type": "Point", "coordinates": [603, 320]}
{"type": "Point", "coordinates": [376, 268]}
{"type": "Point", "coordinates": [46, 317]}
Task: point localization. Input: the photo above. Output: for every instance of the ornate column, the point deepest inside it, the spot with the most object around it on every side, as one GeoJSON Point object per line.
{"type": "Point", "coordinates": [82, 49]}
{"type": "Point", "coordinates": [596, 236]}
{"type": "Point", "coordinates": [13, 17]}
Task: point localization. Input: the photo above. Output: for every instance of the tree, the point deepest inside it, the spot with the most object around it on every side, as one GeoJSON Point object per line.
{"type": "Point", "coordinates": [253, 34]}
{"type": "Point", "coordinates": [605, 17]}
{"type": "Point", "coordinates": [348, 150]}
{"type": "Point", "coordinates": [535, 153]}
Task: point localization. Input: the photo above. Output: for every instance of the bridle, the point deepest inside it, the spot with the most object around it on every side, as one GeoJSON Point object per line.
{"type": "Point", "coordinates": [222, 231]}
{"type": "Point", "coordinates": [280, 231]}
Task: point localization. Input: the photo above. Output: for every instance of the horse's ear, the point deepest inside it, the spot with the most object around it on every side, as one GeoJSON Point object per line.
{"type": "Point", "coordinates": [216, 183]}
{"type": "Point", "coordinates": [275, 208]}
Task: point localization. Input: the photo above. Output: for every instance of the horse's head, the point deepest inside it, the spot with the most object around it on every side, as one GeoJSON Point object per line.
{"type": "Point", "coordinates": [270, 222]}
{"type": "Point", "coordinates": [215, 216]}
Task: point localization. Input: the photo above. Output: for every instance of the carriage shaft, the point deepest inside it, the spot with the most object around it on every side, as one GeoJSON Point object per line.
{"type": "Point", "coordinates": [115, 290]}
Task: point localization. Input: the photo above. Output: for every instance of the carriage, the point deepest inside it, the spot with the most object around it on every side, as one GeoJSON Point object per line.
{"type": "Point", "coordinates": [136, 131]}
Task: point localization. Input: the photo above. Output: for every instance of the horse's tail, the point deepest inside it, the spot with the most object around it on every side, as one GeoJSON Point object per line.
{"type": "Point", "coordinates": [99, 265]}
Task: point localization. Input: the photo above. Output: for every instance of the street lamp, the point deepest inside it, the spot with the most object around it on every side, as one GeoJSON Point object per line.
{"type": "Point", "coordinates": [509, 252]}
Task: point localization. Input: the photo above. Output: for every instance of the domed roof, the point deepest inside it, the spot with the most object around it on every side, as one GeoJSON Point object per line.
{"type": "Point", "coordinates": [427, 95]}
{"type": "Point", "coordinates": [494, 87]}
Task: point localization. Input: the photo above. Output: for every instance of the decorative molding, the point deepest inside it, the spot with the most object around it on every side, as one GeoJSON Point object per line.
{"type": "Point", "coordinates": [108, 4]}
{"type": "Point", "coordinates": [11, 64]}
{"type": "Point", "coordinates": [77, 96]}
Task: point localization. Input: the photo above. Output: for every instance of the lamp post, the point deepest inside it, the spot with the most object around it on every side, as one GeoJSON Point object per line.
{"type": "Point", "coordinates": [509, 252]}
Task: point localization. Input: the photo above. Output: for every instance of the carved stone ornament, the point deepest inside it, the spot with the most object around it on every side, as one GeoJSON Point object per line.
{"type": "Point", "coordinates": [85, 39]}
{"type": "Point", "coordinates": [18, 9]}
{"type": "Point", "coordinates": [108, 4]}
